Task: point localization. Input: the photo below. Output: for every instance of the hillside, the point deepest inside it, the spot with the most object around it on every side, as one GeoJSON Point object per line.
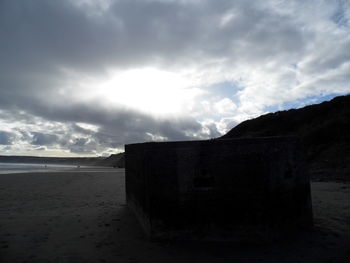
{"type": "Point", "coordinates": [115, 160]}
{"type": "Point", "coordinates": [324, 129]}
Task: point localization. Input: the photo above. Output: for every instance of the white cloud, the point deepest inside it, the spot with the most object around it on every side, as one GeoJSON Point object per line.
{"type": "Point", "coordinates": [225, 107]}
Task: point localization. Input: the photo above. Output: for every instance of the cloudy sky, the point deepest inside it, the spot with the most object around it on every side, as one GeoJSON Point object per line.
{"type": "Point", "coordinates": [85, 77]}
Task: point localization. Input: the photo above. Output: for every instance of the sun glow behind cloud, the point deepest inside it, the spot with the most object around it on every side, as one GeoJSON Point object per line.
{"type": "Point", "coordinates": [149, 90]}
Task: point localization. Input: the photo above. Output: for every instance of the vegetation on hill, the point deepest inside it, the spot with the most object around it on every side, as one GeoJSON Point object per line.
{"type": "Point", "coordinates": [323, 128]}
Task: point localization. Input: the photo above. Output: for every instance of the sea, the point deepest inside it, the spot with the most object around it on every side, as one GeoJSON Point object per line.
{"type": "Point", "coordinates": [10, 168]}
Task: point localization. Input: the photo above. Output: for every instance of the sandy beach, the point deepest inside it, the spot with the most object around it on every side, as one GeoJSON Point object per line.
{"type": "Point", "coordinates": [82, 217]}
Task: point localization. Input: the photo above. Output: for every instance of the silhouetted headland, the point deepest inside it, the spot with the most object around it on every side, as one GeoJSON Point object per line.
{"type": "Point", "coordinates": [323, 128]}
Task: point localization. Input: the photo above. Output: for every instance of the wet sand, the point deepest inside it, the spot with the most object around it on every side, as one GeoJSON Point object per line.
{"type": "Point", "coordinates": [82, 217]}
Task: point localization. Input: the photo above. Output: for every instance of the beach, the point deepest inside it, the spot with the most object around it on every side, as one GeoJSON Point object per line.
{"type": "Point", "coordinates": [81, 216]}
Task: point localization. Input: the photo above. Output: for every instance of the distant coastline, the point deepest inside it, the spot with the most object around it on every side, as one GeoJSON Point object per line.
{"type": "Point", "coordinates": [115, 160]}
{"type": "Point", "coordinates": [50, 160]}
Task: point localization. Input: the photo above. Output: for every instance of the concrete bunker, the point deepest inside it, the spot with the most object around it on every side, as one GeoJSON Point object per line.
{"type": "Point", "coordinates": [246, 190]}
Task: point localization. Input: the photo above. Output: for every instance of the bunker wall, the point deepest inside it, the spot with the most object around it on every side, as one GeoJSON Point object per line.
{"type": "Point", "coordinates": [236, 189]}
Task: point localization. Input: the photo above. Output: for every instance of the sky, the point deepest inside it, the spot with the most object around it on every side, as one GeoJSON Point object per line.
{"type": "Point", "coordinates": [86, 77]}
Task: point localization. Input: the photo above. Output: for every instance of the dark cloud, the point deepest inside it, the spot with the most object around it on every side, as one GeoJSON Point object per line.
{"type": "Point", "coordinates": [42, 37]}
{"type": "Point", "coordinates": [43, 139]}
{"type": "Point", "coordinates": [6, 138]}
{"type": "Point", "coordinates": [83, 145]}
